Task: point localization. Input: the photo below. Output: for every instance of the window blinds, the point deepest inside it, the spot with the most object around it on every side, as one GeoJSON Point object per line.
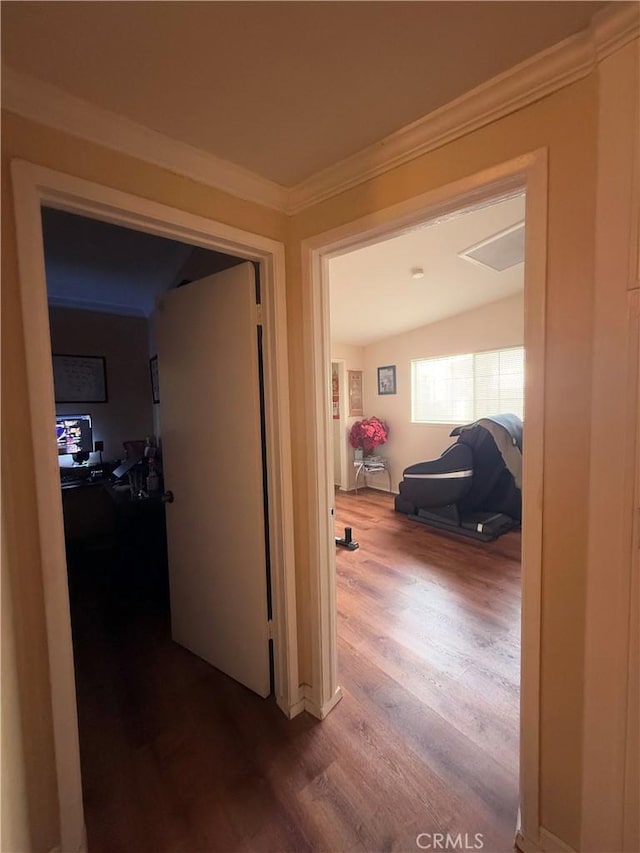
{"type": "Point", "coordinates": [463, 388]}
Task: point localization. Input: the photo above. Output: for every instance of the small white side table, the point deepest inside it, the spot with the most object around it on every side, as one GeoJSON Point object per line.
{"type": "Point", "coordinates": [364, 467]}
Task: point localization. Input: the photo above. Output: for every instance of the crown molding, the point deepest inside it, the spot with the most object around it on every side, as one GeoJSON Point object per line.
{"type": "Point", "coordinates": [46, 104]}
{"type": "Point", "coordinates": [531, 80]}
{"type": "Point", "coordinates": [515, 88]}
{"type": "Point", "coordinates": [74, 304]}
{"type": "Point", "coordinates": [613, 27]}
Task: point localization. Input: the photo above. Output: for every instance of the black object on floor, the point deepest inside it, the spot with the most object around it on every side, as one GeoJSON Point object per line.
{"type": "Point", "coordinates": [347, 541]}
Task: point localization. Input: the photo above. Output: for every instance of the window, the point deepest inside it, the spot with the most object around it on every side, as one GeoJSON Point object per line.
{"type": "Point", "coordinates": [459, 389]}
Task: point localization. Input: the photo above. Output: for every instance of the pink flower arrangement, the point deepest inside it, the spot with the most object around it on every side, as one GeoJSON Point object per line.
{"type": "Point", "coordinates": [368, 434]}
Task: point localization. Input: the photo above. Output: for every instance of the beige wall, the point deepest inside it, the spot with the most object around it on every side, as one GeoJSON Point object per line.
{"type": "Point", "coordinates": [124, 342]}
{"type": "Point", "coordinates": [15, 831]}
{"type": "Point", "coordinates": [500, 324]}
{"type": "Point", "coordinates": [564, 123]}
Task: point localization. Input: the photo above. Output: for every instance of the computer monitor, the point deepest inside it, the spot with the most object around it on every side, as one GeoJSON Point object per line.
{"type": "Point", "coordinates": [74, 434]}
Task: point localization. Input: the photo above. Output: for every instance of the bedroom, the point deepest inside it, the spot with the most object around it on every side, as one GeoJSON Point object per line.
{"type": "Point", "coordinates": [429, 621]}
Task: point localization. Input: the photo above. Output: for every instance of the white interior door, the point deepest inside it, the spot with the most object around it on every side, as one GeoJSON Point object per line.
{"type": "Point", "coordinates": [212, 457]}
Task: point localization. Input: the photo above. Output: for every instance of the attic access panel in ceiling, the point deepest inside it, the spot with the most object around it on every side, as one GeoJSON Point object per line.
{"type": "Point", "coordinates": [500, 251]}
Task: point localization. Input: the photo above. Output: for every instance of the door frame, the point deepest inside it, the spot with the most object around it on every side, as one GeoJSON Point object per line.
{"type": "Point", "coordinates": [36, 186]}
{"type": "Point", "coordinates": [526, 173]}
{"type": "Point", "coordinates": [341, 364]}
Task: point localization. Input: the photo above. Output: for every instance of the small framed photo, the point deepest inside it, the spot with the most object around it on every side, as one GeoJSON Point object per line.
{"type": "Point", "coordinates": [387, 379]}
{"type": "Point", "coordinates": [155, 385]}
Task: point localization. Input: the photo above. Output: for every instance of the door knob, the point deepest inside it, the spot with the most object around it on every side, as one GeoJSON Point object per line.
{"type": "Point", "coordinates": [167, 498]}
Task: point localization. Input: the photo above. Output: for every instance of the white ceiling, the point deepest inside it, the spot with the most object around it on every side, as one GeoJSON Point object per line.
{"type": "Point", "coordinates": [284, 89]}
{"type": "Point", "coordinates": [373, 295]}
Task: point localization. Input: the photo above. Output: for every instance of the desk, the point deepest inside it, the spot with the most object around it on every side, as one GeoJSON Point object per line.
{"type": "Point", "coordinates": [89, 512]}
{"type": "Point", "coordinates": [97, 509]}
{"type": "Point", "coordinates": [117, 543]}
{"type": "Point", "coordinates": [365, 466]}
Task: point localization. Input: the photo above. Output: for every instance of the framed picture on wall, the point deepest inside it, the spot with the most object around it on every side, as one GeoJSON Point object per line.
{"type": "Point", "coordinates": [387, 379]}
{"type": "Point", "coordinates": [354, 379]}
{"type": "Point", "coordinates": [335, 392]}
{"type": "Point", "coordinates": [155, 384]}
{"type": "Point", "coordinates": [80, 378]}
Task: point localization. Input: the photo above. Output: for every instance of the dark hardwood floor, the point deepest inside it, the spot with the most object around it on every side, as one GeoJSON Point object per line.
{"type": "Point", "coordinates": [178, 757]}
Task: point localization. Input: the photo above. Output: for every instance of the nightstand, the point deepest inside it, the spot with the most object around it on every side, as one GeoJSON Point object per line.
{"type": "Point", "coordinates": [371, 465]}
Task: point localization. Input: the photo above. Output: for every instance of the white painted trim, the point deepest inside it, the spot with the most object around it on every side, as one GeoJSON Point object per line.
{"type": "Point", "coordinates": [631, 817]}
{"type": "Point", "coordinates": [41, 102]}
{"type": "Point", "coordinates": [614, 407]}
{"type": "Point", "coordinates": [297, 708]}
{"type": "Point", "coordinates": [316, 710]}
{"type": "Point", "coordinates": [34, 186]}
{"type": "Point", "coordinates": [613, 27]}
{"type": "Point", "coordinates": [317, 362]}
{"type": "Point", "coordinates": [535, 311]}
{"type": "Point", "coordinates": [524, 844]}
{"type": "Point", "coordinates": [549, 843]}
{"type": "Point", "coordinates": [525, 83]}
{"type": "Point", "coordinates": [526, 172]}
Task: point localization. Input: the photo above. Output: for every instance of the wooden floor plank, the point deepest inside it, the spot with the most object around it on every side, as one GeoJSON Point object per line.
{"type": "Point", "coordinates": [178, 758]}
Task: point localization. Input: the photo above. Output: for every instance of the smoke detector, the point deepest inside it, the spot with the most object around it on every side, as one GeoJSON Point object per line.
{"type": "Point", "coordinates": [499, 252]}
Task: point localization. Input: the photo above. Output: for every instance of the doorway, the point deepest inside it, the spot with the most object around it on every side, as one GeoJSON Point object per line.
{"type": "Point", "coordinates": [34, 188]}
{"type": "Point", "coordinates": [528, 175]}
{"type": "Point", "coordinates": [428, 609]}
{"type": "Point", "coordinates": [136, 582]}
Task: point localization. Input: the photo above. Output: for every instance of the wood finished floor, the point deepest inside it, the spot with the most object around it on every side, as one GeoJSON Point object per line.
{"type": "Point", "coordinates": [177, 757]}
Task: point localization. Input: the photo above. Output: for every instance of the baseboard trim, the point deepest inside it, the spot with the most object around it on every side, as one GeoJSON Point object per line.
{"type": "Point", "coordinates": [524, 845]}
{"type": "Point", "coordinates": [292, 710]}
{"type": "Point", "coordinates": [548, 843]}
{"type": "Point", "coordinates": [316, 710]}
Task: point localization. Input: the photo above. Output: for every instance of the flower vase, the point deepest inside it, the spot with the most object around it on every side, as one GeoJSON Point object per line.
{"type": "Point", "coordinates": [358, 454]}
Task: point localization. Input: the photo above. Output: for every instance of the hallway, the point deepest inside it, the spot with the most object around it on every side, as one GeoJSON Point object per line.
{"type": "Point", "coordinates": [178, 757]}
